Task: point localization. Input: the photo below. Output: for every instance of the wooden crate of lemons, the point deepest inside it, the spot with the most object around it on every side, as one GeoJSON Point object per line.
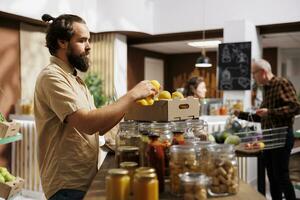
{"type": "Point", "coordinates": [164, 107]}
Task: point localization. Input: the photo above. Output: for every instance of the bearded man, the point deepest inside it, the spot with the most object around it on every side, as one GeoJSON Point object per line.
{"type": "Point", "coordinates": [67, 121]}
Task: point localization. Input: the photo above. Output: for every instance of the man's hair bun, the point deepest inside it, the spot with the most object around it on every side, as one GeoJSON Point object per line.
{"type": "Point", "coordinates": [47, 18]}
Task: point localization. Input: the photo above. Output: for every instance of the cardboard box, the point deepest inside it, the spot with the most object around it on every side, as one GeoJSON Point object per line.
{"type": "Point", "coordinates": [8, 129]}
{"type": "Point", "coordinates": [10, 189]}
{"type": "Point", "coordinates": [165, 110]}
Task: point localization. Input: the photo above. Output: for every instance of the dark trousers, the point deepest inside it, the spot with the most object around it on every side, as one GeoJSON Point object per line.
{"type": "Point", "coordinates": [68, 194]}
{"type": "Point", "coordinates": [277, 165]}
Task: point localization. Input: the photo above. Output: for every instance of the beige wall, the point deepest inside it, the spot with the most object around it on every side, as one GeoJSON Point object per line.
{"type": "Point", "coordinates": [34, 57]}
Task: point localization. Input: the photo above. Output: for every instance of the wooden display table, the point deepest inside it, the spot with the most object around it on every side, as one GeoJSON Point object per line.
{"type": "Point", "coordinates": [97, 188]}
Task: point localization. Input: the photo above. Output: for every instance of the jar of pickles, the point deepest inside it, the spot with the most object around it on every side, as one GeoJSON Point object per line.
{"type": "Point", "coordinates": [183, 159]}
{"type": "Point", "coordinates": [180, 127]}
{"type": "Point", "coordinates": [198, 128]}
{"type": "Point", "coordinates": [117, 184]}
{"type": "Point", "coordinates": [145, 186]}
{"type": "Point", "coordinates": [223, 171]}
{"type": "Point", "coordinates": [144, 130]}
{"type": "Point", "coordinates": [160, 140]}
{"type": "Point", "coordinates": [127, 143]}
{"type": "Point", "coordinates": [194, 186]}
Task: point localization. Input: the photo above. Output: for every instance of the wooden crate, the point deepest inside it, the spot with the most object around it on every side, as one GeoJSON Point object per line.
{"type": "Point", "coordinates": [165, 110]}
{"type": "Point", "coordinates": [8, 129]}
{"type": "Point", "coordinates": [10, 189]}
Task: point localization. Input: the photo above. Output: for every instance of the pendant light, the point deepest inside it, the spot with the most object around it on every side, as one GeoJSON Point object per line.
{"type": "Point", "coordinates": [203, 60]}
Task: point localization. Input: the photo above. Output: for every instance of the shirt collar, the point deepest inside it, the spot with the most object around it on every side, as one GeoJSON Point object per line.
{"type": "Point", "coordinates": [271, 81]}
{"type": "Point", "coordinates": [63, 65]}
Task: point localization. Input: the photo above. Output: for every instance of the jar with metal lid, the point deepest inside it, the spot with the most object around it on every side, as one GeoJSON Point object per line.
{"type": "Point", "coordinates": [131, 167]}
{"type": "Point", "coordinates": [145, 170]}
{"type": "Point", "coordinates": [223, 171]}
{"type": "Point", "coordinates": [127, 142]}
{"type": "Point", "coordinates": [145, 186]}
{"type": "Point", "coordinates": [199, 128]}
{"type": "Point", "coordinates": [194, 186]}
{"type": "Point", "coordinates": [117, 184]}
{"type": "Point", "coordinates": [180, 127]}
{"type": "Point", "coordinates": [144, 130]}
{"type": "Point", "coordinates": [183, 159]}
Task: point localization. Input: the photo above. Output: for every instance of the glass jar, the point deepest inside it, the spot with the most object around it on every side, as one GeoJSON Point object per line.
{"type": "Point", "coordinates": [223, 171]}
{"type": "Point", "coordinates": [117, 184]}
{"type": "Point", "coordinates": [127, 143]}
{"type": "Point", "coordinates": [180, 127]}
{"type": "Point", "coordinates": [145, 186]}
{"type": "Point", "coordinates": [144, 130]}
{"type": "Point", "coordinates": [127, 154]}
{"type": "Point", "coordinates": [158, 150]}
{"type": "Point", "coordinates": [194, 186]}
{"type": "Point", "coordinates": [199, 128]}
{"type": "Point", "coordinates": [183, 159]}
{"type": "Point", "coordinates": [130, 167]}
{"type": "Point", "coordinates": [203, 156]}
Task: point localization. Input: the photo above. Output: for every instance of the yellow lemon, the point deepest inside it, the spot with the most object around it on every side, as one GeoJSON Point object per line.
{"type": "Point", "coordinates": [164, 95]}
{"type": "Point", "coordinates": [150, 100]}
{"type": "Point", "coordinates": [177, 95]}
{"type": "Point", "coordinates": [142, 102]}
{"type": "Point", "coordinates": [155, 84]}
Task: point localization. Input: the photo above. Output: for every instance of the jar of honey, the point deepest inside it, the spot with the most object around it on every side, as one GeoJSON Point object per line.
{"type": "Point", "coordinates": [117, 184]}
{"type": "Point", "coordinates": [145, 186]}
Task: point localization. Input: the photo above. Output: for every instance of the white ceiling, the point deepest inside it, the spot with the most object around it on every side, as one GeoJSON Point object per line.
{"type": "Point", "coordinates": [280, 40]}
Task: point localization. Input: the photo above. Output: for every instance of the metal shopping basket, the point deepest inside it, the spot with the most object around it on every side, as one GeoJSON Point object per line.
{"type": "Point", "coordinates": [272, 138]}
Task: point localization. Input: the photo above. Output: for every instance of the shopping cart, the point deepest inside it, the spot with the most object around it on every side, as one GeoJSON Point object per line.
{"type": "Point", "coordinates": [271, 138]}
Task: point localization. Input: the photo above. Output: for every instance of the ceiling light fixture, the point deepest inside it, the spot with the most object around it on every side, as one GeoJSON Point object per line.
{"type": "Point", "coordinates": [205, 44]}
{"type": "Point", "coordinates": [203, 60]}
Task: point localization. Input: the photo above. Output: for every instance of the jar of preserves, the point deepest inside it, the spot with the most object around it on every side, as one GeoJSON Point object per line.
{"type": "Point", "coordinates": [127, 143]}
{"type": "Point", "coordinates": [130, 167]}
{"type": "Point", "coordinates": [194, 186]}
{"type": "Point", "coordinates": [183, 159]}
{"type": "Point", "coordinates": [223, 171]}
{"type": "Point", "coordinates": [199, 128]}
{"type": "Point", "coordinates": [180, 127]}
{"type": "Point", "coordinates": [144, 130]}
{"type": "Point", "coordinates": [145, 186]}
{"type": "Point", "coordinates": [117, 184]}
{"type": "Point", "coordinates": [158, 150]}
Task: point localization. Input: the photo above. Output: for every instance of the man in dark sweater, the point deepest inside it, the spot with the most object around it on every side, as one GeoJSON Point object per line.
{"type": "Point", "coordinates": [278, 109]}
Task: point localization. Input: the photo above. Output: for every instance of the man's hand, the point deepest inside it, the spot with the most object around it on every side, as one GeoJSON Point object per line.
{"type": "Point", "coordinates": [262, 112]}
{"type": "Point", "coordinates": [142, 90]}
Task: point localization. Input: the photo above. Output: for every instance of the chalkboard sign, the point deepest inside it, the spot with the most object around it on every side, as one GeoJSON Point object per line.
{"type": "Point", "coordinates": [234, 66]}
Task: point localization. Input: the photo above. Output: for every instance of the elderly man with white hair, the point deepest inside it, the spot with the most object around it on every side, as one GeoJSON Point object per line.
{"type": "Point", "coordinates": [278, 109]}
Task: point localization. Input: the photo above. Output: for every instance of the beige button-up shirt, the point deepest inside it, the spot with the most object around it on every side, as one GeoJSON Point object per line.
{"type": "Point", "coordinates": [67, 158]}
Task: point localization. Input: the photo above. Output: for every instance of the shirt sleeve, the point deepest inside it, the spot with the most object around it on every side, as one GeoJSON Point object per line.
{"type": "Point", "coordinates": [290, 104]}
{"type": "Point", "coordinates": [249, 117]}
{"type": "Point", "coordinates": [60, 95]}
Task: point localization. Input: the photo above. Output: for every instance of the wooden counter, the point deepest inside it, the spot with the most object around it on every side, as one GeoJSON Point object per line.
{"type": "Point", "coordinates": [97, 188]}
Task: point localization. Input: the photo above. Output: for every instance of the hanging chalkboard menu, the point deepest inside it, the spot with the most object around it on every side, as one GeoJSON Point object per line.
{"type": "Point", "coordinates": [234, 66]}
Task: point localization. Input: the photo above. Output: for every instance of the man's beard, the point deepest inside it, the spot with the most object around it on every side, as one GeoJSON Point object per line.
{"type": "Point", "coordinates": [80, 62]}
